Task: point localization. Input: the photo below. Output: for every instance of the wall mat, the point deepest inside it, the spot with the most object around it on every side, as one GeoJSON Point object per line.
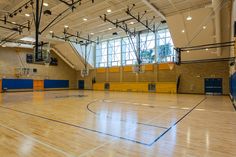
{"type": "Point", "coordinates": [17, 84]}
{"type": "Point", "coordinates": [233, 85]}
{"type": "Point", "coordinates": [56, 83]}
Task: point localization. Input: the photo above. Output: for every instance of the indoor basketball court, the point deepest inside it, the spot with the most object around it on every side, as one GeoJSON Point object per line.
{"type": "Point", "coordinates": [117, 78]}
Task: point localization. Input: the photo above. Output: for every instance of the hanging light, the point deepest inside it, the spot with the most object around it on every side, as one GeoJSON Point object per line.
{"type": "Point", "coordinates": [189, 18]}
{"type": "Point", "coordinates": [45, 4]}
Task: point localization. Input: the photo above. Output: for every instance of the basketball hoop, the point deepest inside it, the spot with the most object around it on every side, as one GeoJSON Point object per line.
{"type": "Point", "coordinates": [46, 64]}
{"type": "Point", "coordinates": [84, 72]}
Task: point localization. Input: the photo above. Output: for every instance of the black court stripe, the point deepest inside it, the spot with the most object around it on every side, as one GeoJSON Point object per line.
{"type": "Point", "coordinates": [139, 123]}
{"type": "Point", "coordinates": [232, 100]}
{"type": "Point", "coordinates": [234, 106]}
{"type": "Point", "coordinates": [177, 122]}
{"type": "Point", "coordinates": [77, 126]}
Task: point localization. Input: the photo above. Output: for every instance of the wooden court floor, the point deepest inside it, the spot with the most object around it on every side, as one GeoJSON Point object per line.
{"type": "Point", "coordinates": [116, 124]}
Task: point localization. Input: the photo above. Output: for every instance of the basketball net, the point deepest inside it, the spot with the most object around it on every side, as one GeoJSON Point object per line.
{"type": "Point", "coordinates": [46, 64]}
{"type": "Point", "coordinates": [171, 66]}
{"type": "Point", "coordinates": [84, 72]}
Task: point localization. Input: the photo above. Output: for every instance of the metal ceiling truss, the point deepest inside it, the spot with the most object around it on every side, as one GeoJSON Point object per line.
{"type": "Point", "coordinates": [69, 38]}
{"type": "Point", "coordinates": [208, 46]}
{"type": "Point", "coordinates": [147, 24]}
{"type": "Point", "coordinates": [77, 36]}
{"type": "Point", "coordinates": [119, 24]}
{"type": "Point", "coordinates": [203, 47]}
{"type": "Point", "coordinates": [71, 5]}
{"type": "Point", "coordinates": [19, 10]}
{"type": "Point", "coordinates": [124, 26]}
{"type": "Point", "coordinates": [72, 2]}
{"type": "Point", "coordinates": [15, 27]}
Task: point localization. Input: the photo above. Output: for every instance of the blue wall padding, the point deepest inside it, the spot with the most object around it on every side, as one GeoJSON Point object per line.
{"type": "Point", "coordinates": [17, 84]}
{"type": "Point", "coordinates": [233, 85]}
{"type": "Point", "coordinates": [56, 83]}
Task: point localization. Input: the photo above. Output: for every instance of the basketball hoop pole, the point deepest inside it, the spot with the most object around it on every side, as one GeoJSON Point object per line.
{"type": "Point", "coordinates": [37, 20]}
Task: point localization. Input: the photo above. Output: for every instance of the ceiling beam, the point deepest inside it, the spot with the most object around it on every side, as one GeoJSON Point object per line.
{"type": "Point", "coordinates": [154, 8]}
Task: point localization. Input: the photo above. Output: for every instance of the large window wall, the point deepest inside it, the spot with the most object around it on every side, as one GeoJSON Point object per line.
{"type": "Point", "coordinates": [165, 49]}
{"type": "Point", "coordinates": [152, 48]}
{"type": "Point", "coordinates": [101, 54]}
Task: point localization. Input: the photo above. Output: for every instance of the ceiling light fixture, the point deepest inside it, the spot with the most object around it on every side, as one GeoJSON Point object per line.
{"type": "Point", "coordinates": [188, 51]}
{"type": "Point", "coordinates": [27, 15]}
{"type": "Point", "coordinates": [45, 4]}
{"type": "Point", "coordinates": [109, 28]}
{"type": "Point", "coordinates": [85, 19]}
{"type": "Point", "coordinates": [183, 31]}
{"type": "Point", "coordinates": [92, 33]}
{"type": "Point", "coordinates": [131, 23]}
{"type": "Point", "coordinates": [189, 18]}
{"type": "Point", "coordinates": [109, 10]}
{"type": "Point", "coordinates": [204, 27]}
{"type": "Point", "coordinates": [207, 49]}
{"type": "Point", "coordinates": [51, 32]}
{"type": "Point", "coordinates": [66, 26]}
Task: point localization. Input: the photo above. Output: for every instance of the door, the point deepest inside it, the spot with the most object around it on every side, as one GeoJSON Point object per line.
{"type": "Point", "coordinates": [213, 86]}
{"type": "Point", "coordinates": [81, 84]}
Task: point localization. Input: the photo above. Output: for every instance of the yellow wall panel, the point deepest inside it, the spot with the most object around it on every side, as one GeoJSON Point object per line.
{"type": "Point", "coordinates": [164, 66]}
{"type": "Point", "coordinates": [149, 67]}
{"type": "Point", "coordinates": [98, 86]}
{"type": "Point", "coordinates": [114, 69]}
{"type": "Point", "coordinates": [101, 70]}
{"type": "Point", "coordinates": [127, 68]}
{"type": "Point", "coordinates": [161, 87]}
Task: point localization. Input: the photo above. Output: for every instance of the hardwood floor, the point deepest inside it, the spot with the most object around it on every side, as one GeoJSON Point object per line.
{"type": "Point", "coordinates": [116, 124]}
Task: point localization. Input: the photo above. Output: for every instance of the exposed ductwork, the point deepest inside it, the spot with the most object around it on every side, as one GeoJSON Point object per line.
{"type": "Point", "coordinates": [216, 4]}
{"type": "Point", "coordinates": [154, 8]}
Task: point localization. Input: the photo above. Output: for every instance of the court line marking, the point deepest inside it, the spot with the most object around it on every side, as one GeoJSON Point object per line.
{"type": "Point", "coordinates": [159, 137]}
{"type": "Point", "coordinates": [38, 141]}
{"type": "Point", "coordinates": [77, 126]}
{"type": "Point", "coordinates": [122, 120]}
{"type": "Point", "coordinates": [113, 141]}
